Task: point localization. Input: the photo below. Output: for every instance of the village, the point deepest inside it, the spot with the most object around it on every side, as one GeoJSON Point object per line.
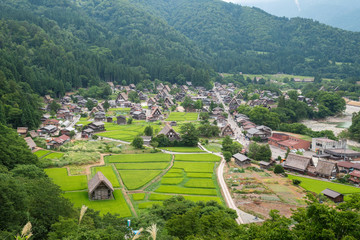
{"type": "Point", "coordinates": [162, 168]}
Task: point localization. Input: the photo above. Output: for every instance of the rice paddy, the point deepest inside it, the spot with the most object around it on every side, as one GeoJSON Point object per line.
{"type": "Point", "coordinates": [197, 157]}
{"type": "Point", "coordinates": [183, 149]}
{"type": "Point", "coordinates": [142, 166]}
{"type": "Point", "coordinates": [66, 183]}
{"type": "Point", "coordinates": [109, 174]}
{"type": "Point", "coordinates": [182, 116]}
{"type": "Point", "coordinates": [134, 179]}
{"type": "Point", "coordinates": [200, 167]}
{"type": "Point", "coordinates": [134, 158]}
{"type": "Point", "coordinates": [41, 153]}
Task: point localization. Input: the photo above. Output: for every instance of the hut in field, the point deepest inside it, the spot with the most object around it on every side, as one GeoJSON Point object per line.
{"type": "Point", "coordinates": [100, 188]}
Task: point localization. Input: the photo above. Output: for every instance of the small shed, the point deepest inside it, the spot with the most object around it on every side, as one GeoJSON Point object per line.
{"type": "Point", "coordinates": [31, 144]}
{"type": "Point", "coordinates": [241, 159]}
{"type": "Point", "coordinates": [333, 196]}
{"type": "Point", "coordinates": [100, 188]}
{"type": "Point", "coordinates": [265, 165]}
{"type": "Point", "coordinates": [147, 140]}
{"type": "Point", "coordinates": [121, 120]}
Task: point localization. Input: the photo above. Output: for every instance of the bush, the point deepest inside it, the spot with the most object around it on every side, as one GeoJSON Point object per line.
{"type": "Point", "coordinates": [279, 169]}
{"type": "Point", "coordinates": [227, 156]}
{"type": "Point", "coordinates": [296, 182]}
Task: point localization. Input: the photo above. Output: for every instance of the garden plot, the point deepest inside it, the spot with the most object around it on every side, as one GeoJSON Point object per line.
{"type": "Point", "coordinates": [171, 181]}
{"type": "Point", "coordinates": [109, 174]}
{"type": "Point", "coordinates": [200, 183]}
{"type": "Point", "coordinates": [66, 183]}
{"type": "Point", "coordinates": [163, 197]}
{"type": "Point", "coordinates": [185, 190]}
{"type": "Point", "coordinates": [197, 157]}
{"type": "Point", "coordinates": [142, 166]}
{"type": "Point", "coordinates": [134, 158]}
{"type": "Point", "coordinates": [54, 155]}
{"type": "Point", "coordinates": [199, 175]}
{"type": "Point", "coordinates": [183, 149]}
{"type": "Point", "coordinates": [138, 196]}
{"type": "Point", "coordinates": [134, 179]}
{"type": "Point", "coordinates": [41, 153]}
{"type": "Point", "coordinates": [117, 205]}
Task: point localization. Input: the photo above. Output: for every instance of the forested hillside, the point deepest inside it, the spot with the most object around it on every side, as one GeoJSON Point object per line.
{"type": "Point", "coordinates": [250, 40]}
{"type": "Point", "coordinates": [50, 47]}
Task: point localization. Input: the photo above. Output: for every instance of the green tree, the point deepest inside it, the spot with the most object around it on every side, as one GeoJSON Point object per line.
{"type": "Point", "coordinates": [90, 105]}
{"type": "Point", "coordinates": [278, 169]}
{"type": "Point", "coordinates": [188, 103]}
{"type": "Point", "coordinates": [354, 129]}
{"type": "Point", "coordinates": [54, 106]}
{"type": "Point", "coordinates": [134, 97]}
{"type": "Point", "coordinates": [227, 156]}
{"type": "Point", "coordinates": [129, 121]}
{"type": "Point", "coordinates": [137, 143]}
{"type": "Point", "coordinates": [189, 135]}
{"type": "Point", "coordinates": [106, 105]}
{"type": "Point", "coordinates": [148, 131]}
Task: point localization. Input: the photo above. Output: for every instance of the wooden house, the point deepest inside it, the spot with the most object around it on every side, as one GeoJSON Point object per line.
{"type": "Point", "coordinates": [265, 165]}
{"type": "Point", "coordinates": [57, 142]}
{"type": "Point", "coordinates": [22, 131]}
{"type": "Point", "coordinates": [100, 188]}
{"type": "Point", "coordinates": [227, 131]}
{"type": "Point", "coordinates": [297, 163]}
{"type": "Point", "coordinates": [146, 140]}
{"type": "Point", "coordinates": [241, 160]}
{"type": "Point", "coordinates": [261, 132]}
{"type": "Point", "coordinates": [333, 195]}
{"type": "Point", "coordinates": [326, 169]}
{"type": "Point", "coordinates": [355, 177]}
{"type": "Point", "coordinates": [234, 104]}
{"type": "Point", "coordinates": [86, 133]}
{"type": "Point", "coordinates": [99, 117]}
{"type": "Point", "coordinates": [151, 101]}
{"type": "Point", "coordinates": [122, 97]}
{"type": "Point", "coordinates": [170, 133]}
{"type": "Point", "coordinates": [49, 129]}
{"type": "Point", "coordinates": [121, 120]}
{"type": "Point", "coordinates": [96, 126]}
{"type": "Point", "coordinates": [30, 142]}
{"type": "Point", "coordinates": [138, 115]}
{"type": "Point", "coordinates": [168, 101]}
{"type": "Point", "coordinates": [109, 119]}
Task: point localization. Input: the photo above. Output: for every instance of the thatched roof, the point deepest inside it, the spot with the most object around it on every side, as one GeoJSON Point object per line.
{"type": "Point", "coordinates": [167, 128]}
{"type": "Point", "coordinates": [30, 142]}
{"type": "Point", "coordinates": [324, 167]}
{"type": "Point", "coordinates": [97, 180]}
{"type": "Point", "coordinates": [297, 162]}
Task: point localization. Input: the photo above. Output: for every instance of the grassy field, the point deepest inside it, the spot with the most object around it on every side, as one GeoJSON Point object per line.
{"type": "Point", "coordinates": [145, 205]}
{"type": "Point", "coordinates": [66, 183]}
{"type": "Point", "coordinates": [138, 196]}
{"type": "Point", "coordinates": [171, 181]}
{"type": "Point", "coordinates": [134, 158]}
{"type": "Point", "coordinates": [84, 121]}
{"type": "Point", "coordinates": [91, 146]}
{"type": "Point", "coordinates": [199, 175]}
{"type": "Point", "coordinates": [200, 183]}
{"type": "Point", "coordinates": [54, 155]}
{"type": "Point", "coordinates": [134, 179]}
{"type": "Point", "coordinates": [213, 147]}
{"type": "Point", "coordinates": [117, 205]}
{"type": "Point", "coordinates": [109, 174]}
{"type": "Point", "coordinates": [41, 153]}
{"type": "Point", "coordinates": [318, 186]}
{"type": "Point", "coordinates": [142, 166]}
{"type": "Point", "coordinates": [182, 116]}
{"type": "Point", "coordinates": [197, 157]}
{"type": "Point", "coordinates": [201, 167]}
{"type": "Point", "coordinates": [162, 197]}
{"type": "Point", "coordinates": [183, 149]}
{"type": "Point", "coordinates": [184, 190]}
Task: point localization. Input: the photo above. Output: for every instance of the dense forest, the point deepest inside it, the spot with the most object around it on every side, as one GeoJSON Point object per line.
{"type": "Point", "coordinates": [51, 47]}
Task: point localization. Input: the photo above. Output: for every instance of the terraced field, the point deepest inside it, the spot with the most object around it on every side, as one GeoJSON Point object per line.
{"type": "Point", "coordinates": [67, 183]}
{"type": "Point", "coordinates": [182, 116]}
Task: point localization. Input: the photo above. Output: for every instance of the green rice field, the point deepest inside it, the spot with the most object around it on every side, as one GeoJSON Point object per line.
{"type": "Point", "coordinates": [145, 205]}
{"type": "Point", "coordinates": [197, 157]}
{"type": "Point", "coordinates": [162, 197]}
{"type": "Point", "coordinates": [54, 155]}
{"type": "Point", "coordinates": [185, 190]}
{"type": "Point", "coordinates": [318, 186]}
{"type": "Point", "coordinates": [138, 196]}
{"type": "Point", "coordinates": [115, 206]}
{"type": "Point", "coordinates": [109, 174]}
{"type": "Point", "coordinates": [201, 167]}
{"type": "Point", "coordinates": [182, 116]}
{"type": "Point", "coordinates": [199, 175]}
{"type": "Point", "coordinates": [142, 166]}
{"type": "Point", "coordinates": [133, 158]}
{"type": "Point", "coordinates": [200, 183]}
{"type": "Point", "coordinates": [183, 149]}
{"type": "Point", "coordinates": [41, 153]}
{"type": "Point", "coordinates": [67, 183]}
{"type": "Point", "coordinates": [171, 181]}
{"type": "Point", "coordinates": [134, 179]}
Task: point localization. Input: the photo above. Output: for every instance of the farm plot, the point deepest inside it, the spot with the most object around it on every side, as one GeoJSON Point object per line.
{"type": "Point", "coordinates": [163, 197]}
{"type": "Point", "coordinates": [134, 179]}
{"type": "Point", "coordinates": [142, 166]}
{"type": "Point", "coordinates": [182, 116]}
{"type": "Point", "coordinates": [148, 204]}
{"type": "Point", "coordinates": [184, 190]}
{"type": "Point", "coordinates": [183, 149]}
{"type": "Point", "coordinates": [117, 205]}
{"type": "Point", "coordinates": [109, 174]}
{"type": "Point", "coordinates": [200, 167]}
{"type": "Point", "coordinates": [66, 183]}
{"type": "Point", "coordinates": [197, 157]}
{"type": "Point", "coordinates": [134, 158]}
{"type": "Point", "coordinates": [171, 181]}
{"type": "Point", "coordinates": [138, 196]}
{"type": "Point", "coordinates": [317, 186]}
{"type": "Point", "coordinates": [174, 173]}
{"type": "Point", "coordinates": [199, 175]}
{"type": "Point", "coordinates": [41, 153]}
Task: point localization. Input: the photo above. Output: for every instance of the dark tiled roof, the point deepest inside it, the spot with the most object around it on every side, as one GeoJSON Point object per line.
{"type": "Point", "coordinates": [331, 193]}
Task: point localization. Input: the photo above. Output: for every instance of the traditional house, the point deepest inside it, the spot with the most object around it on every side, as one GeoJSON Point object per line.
{"type": "Point", "coordinates": [227, 131]}
{"type": "Point", "coordinates": [53, 122]}
{"type": "Point", "coordinates": [261, 132]}
{"type": "Point", "coordinates": [100, 188]}
{"type": "Point", "coordinates": [297, 163]}
{"type": "Point", "coordinates": [31, 144]}
{"type": "Point", "coordinates": [265, 165]}
{"type": "Point", "coordinates": [170, 133]}
{"type": "Point", "coordinates": [57, 142]}
{"type": "Point", "coordinates": [49, 129]}
{"type": "Point", "coordinates": [234, 104]}
{"type": "Point", "coordinates": [343, 154]}
{"type": "Point", "coordinates": [155, 114]}
{"type": "Point", "coordinates": [122, 97]}
{"type": "Point", "coordinates": [167, 88]}
{"type": "Point", "coordinates": [168, 101]}
{"type": "Point", "coordinates": [333, 196]}
{"type": "Point", "coordinates": [96, 126]}
{"type": "Point", "coordinates": [184, 88]}
{"type": "Point", "coordinates": [146, 140]}
{"type": "Point", "coordinates": [22, 131]}
{"type": "Point", "coordinates": [326, 169]}
{"type": "Point", "coordinates": [34, 134]}
{"type": "Point", "coordinates": [132, 86]}
{"type": "Point", "coordinates": [241, 160]}
{"type": "Point", "coordinates": [86, 133]}
{"type": "Point", "coordinates": [121, 120]}
{"type": "Point", "coordinates": [99, 117]}
{"type": "Point", "coordinates": [285, 142]}
{"type": "Point", "coordinates": [48, 99]}
{"type": "Point", "coordinates": [138, 115]}
{"type": "Point", "coordinates": [355, 177]}
{"type": "Point", "coordinates": [151, 101]}
{"type": "Point", "coordinates": [109, 119]}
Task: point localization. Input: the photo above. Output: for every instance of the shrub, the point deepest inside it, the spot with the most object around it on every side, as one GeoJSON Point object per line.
{"type": "Point", "coordinates": [279, 169]}
{"type": "Point", "coordinates": [296, 182]}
